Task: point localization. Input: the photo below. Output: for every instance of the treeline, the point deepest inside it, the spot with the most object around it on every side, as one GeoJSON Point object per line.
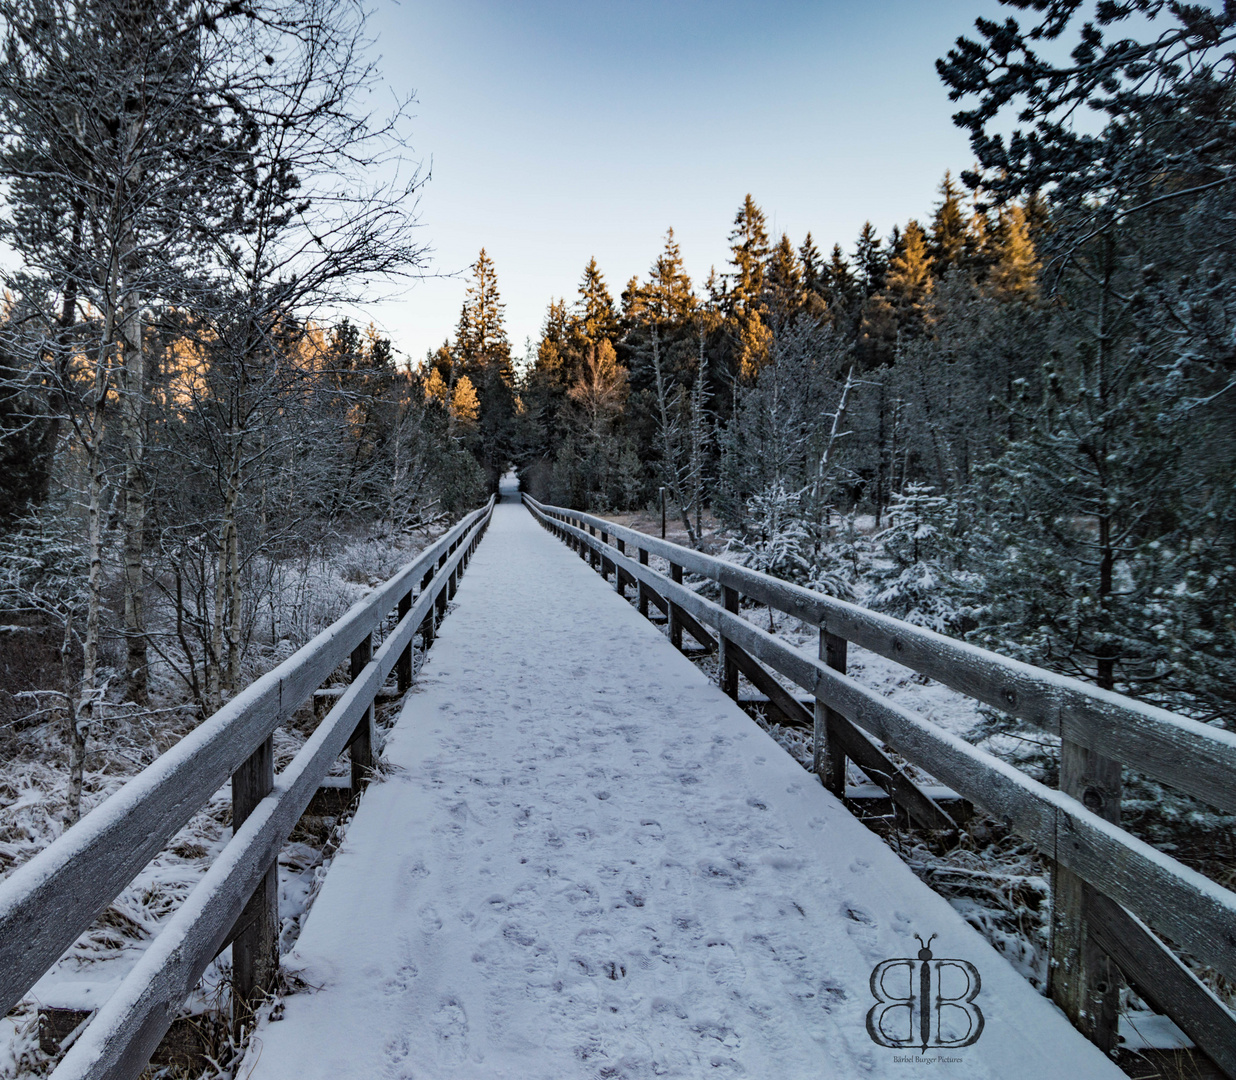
{"type": "Point", "coordinates": [190, 192]}
{"type": "Point", "coordinates": [1014, 420]}
{"type": "Point", "coordinates": [669, 385]}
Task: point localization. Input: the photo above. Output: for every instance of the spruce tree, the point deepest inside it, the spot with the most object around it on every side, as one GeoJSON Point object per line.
{"type": "Point", "coordinates": [843, 288]}
{"type": "Point", "coordinates": [784, 278]}
{"type": "Point", "coordinates": [908, 283]}
{"type": "Point", "coordinates": [483, 354]}
{"type": "Point", "coordinates": [480, 339]}
{"type": "Point", "coordinates": [948, 228]}
{"type": "Point", "coordinates": [668, 298]}
{"type": "Point", "coordinates": [812, 263]}
{"type": "Point", "coordinates": [595, 307]}
{"type": "Point", "coordinates": [816, 294]}
{"type": "Point", "coordinates": [1015, 267]}
{"type": "Point", "coordinates": [749, 254]}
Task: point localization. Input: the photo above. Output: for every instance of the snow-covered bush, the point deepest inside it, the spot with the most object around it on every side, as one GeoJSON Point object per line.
{"type": "Point", "coordinates": [776, 541]}
{"type": "Point", "coordinates": [916, 578]}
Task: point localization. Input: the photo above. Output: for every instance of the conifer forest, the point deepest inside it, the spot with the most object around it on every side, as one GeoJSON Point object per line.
{"type": "Point", "coordinates": [1010, 419]}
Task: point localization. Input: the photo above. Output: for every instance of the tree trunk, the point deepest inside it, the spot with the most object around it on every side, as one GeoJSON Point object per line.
{"type": "Point", "coordinates": [132, 423]}
{"type": "Point", "coordinates": [88, 707]}
{"type": "Point", "coordinates": [668, 451]}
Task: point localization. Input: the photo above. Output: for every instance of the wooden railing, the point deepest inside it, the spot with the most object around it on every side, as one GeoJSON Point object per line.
{"type": "Point", "coordinates": [1109, 887]}
{"type": "Point", "coordinates": [49, 901]}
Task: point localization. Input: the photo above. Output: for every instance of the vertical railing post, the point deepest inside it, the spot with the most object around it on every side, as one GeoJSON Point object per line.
{"type": "Point", "coordinates": [440, 600]}
{"type": "Point", "coordinates": [605, 563]}
{"type": "Point", "coordinates": [675, 623]}
{"type": "Point", "coordinates": [361, 746]}
{"type": "Point", "coordinates": [619, 587]}
{"type": "Point", "coordinates": [403, 666]}
{"type": "Point", "coordinates": [255, 946]}
{"type": "Point", "coordinates": [1082, 978]}
{"type": "Point", "coordinates": [592, 552]}
{"type": "Point", "coordinates": [727, 670]}
{"type": "Point", "coordinates": [427, 624]}
{"type": "Point", "coordinates": [827, 758]}
{"type": "Point", "coordinates": [643, 591]}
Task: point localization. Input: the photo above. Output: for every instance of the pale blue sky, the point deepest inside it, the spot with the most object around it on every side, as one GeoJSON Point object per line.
{"type": "Point", "coordinates": [561, 130]}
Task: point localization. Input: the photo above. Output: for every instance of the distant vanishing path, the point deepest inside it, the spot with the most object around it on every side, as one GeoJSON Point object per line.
{"type": "Point", "coordinates": [589, 862]}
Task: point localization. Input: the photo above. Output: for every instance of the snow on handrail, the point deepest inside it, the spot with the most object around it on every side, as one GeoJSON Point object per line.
{"type": "Point", "coordinates": [46, 903]}
{"type": "Point", "coordinates": [1194, 757]}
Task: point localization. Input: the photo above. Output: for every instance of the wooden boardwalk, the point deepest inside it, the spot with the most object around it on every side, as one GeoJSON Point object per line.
{"type": "Point", "coordinates": [584, 860]}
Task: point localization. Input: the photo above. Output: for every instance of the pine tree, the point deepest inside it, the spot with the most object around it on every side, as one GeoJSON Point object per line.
{"type": "Point", "coordinates": [595, 307]}
{"type": "Point", "coordinates": [26, 436]}
{"type": "Point", "coordinates": [483, 354]}
{"type": "Point", "coordinates": [843, 288]}
{"type": "Point", "coordinates": [749, 254]}
{"type": "Point", "coordinates": [465, 405]}
{"type": "Point", "coordinates": [480, 338]}
{"type": "Point", "coordinates": [1015, 269]}
{"type": "Point", "coordinates": [870, 263]}
{"type": "Point", "coordinates": [918, 582]}
{"type": "Point", "coordinates": [668, 298]}
{"type": "Point", "coordinates": [909, 283]}
{"type": "Point", "coordinates": [784, 279]}
{"type": "Point", "coordinates": [436, 388]}
{"type": "Point", "coordinates": [948, 229]}
{"type": "Point", "coordinates": [812, 262]}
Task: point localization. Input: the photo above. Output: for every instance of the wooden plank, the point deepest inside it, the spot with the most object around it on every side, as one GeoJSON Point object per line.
{"type": "Point", "coordinates": [130, 1024]}
{"type": "Point", "coordinates": [427, 626]}
{"type": "Point", "coordinates": [1184, 905]}
{"type": "Point", "coordinates": [403, 669]}
{"type": "Point", "coordinates": [47, 902]}
{"type": "Point", "coordinates": [1164, 982]}
{"type": "Point", "coordinates": [675, 613]}
{"type": "Point", "coordinates": [881, 770]}
{"type": "Point", "coordinates": [869, 757]}
{"type": "Point", "coordinates": [656, 600]}
{"type": "Point", "coordinates": [1082, 979]}
{"type": "Point", "coordinates": [778, 696]}
{"type": "Point", "coordinates": [360, 749]}
{"type": "Point", "coordinates": [1187, 907]}
{"type": "Point", "coordinates": [1194, 757]}
{"type": "Point", "coordinates": [828, 758]}
{"type": "Point", "coordinates": [255, 935]}
{"type": "Point", "coordinates": [727, 670]}
{"type": "Point", "coordinates": [643, 598]}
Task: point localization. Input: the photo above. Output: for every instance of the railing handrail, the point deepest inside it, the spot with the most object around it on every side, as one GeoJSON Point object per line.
{"type": "Point", "coordinates": [1188, 904]}
{"type": "Point", "coordinates": [47, 903]}
{"type": "Point", "coordinates": [1194, 757]}
{"type": "Point", "coordinates": [120, 1039]}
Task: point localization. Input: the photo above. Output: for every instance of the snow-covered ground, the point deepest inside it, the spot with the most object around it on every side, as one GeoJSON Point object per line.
{"type": "Point", "coordinates": [586, 861]}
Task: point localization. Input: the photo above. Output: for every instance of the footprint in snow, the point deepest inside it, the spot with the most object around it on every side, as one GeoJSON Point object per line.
{"type": "Point", "coordinates": [431, 922]}
{"type": "Point", "coordinates": [650, 832]}
{"type": "Point", "coordinates": [516, 936]}
{"type": "Point", "coordinates": [450, 1025]}
{"type": "Point", "coordinates": [861, 925]}
{"type": "Point", "coordinates": [396, 1051]}
{"type": "Point", "coordinates": [724, 966]}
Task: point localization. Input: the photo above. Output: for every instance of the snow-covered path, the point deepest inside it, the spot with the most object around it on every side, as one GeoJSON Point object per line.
{"type": "Point", "coordinates": [588, 862]}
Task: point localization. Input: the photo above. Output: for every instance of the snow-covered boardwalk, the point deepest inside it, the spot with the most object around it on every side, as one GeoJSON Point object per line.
{"type": "Point", "coordinates": [588, 862]}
